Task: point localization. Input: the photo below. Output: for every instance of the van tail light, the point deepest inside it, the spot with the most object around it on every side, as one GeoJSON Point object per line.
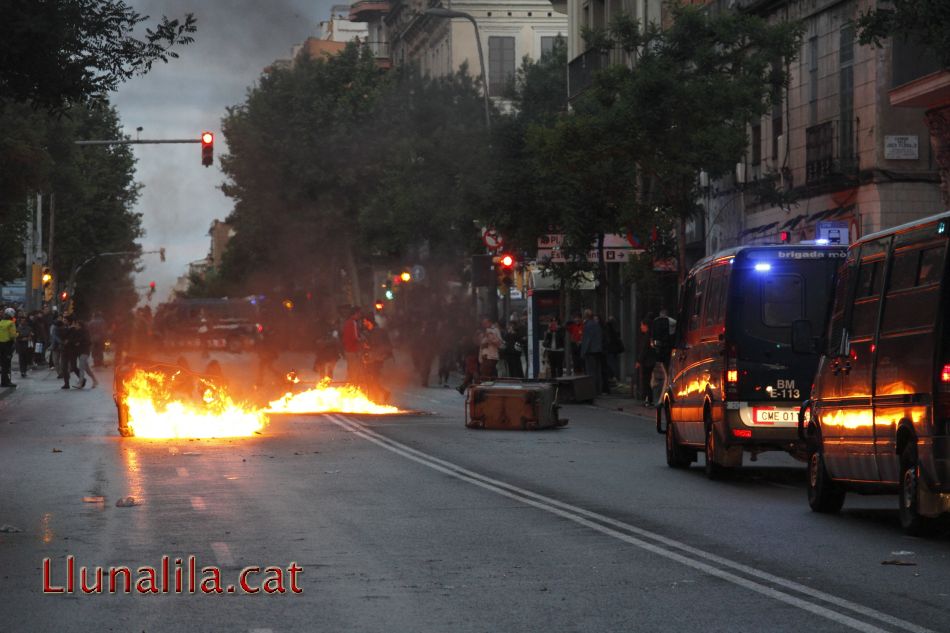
{"type": "Point", "coordinates": [945, 374]}
{"type": "Point", "coordinates": [731, 377]}
{"type": "Point", "coordinates": [746, 433]}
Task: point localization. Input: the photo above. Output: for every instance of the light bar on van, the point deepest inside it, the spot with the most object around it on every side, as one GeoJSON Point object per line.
{"type": "Point", "coordinates": [763, 267]}
{"type": "Point", "coordinates": [822, 241]}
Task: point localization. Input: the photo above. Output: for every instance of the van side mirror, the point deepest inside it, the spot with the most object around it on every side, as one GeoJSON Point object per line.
{"type": "Point", "coordinates": [802, 342]}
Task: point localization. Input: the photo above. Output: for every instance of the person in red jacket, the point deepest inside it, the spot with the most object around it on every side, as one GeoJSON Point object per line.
{"type": "Point", "coordinates": [353, 346]}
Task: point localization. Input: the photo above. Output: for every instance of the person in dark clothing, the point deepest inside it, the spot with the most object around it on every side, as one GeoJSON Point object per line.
{"type": "Point", "coordinates": [553, 344]}
{"type": "Point", "coordinates": [592, 351]}
{"type": "Point", "coordinates": [512, 351]}
{"type": "Point", "coordinates": [646, 359]}
{"type": "Point", "coordinates": [84, 350]}
{"type": "Point", "coordinates": [613, 348]}
{"type": "Point", "coordinates": [24, 344]}
{"type": "Point", "coordinates": [326, 352]}
{"type": "Point", "coordinates": [69, 338]}
{"type": "Point", "coordinates": [378, 350]}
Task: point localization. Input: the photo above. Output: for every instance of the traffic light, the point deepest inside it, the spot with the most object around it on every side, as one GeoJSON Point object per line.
{"type": "Point", "coordinates": [379, 306]}
{"type": "Point", "coordinates": [207, 148]}
{"type": "Point", "coordinates": [151, 290]}
{"type": "Point", "coordinates": [64, 296]}
{"type": "Point", "coordinates": [405, 276]}
{"type": "Point", "coordinates": [47, 285]}
{"type": "Point", "coordinates": [784, 237]}
{"type": "Point", "coordinates": [506, 269]}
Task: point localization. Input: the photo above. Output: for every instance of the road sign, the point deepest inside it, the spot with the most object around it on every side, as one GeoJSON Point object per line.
{"type": "Point", "coordinates": [617, 249]}
{"type": "Point", "coordinates": [492, 239]}
{"type": "Point", "coordinates": [835, 231]}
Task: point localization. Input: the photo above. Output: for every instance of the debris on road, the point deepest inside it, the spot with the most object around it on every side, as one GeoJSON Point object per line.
{"type": "Point", "coordinates": [94, 499]}
{"type": "Point", "coordinates": [57, 450]}
{"type": "Point", "coordinates": [125, 503]}
{"type": "Point", "coordinates": [9, 529]}
{"type": "Point", "coordinates": [899, 563]}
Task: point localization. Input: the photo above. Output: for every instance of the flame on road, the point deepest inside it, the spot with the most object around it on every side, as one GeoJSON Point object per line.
{"type": "Point", "coordinates": [179, 405]}
{"type": "Point", "coordinates": [326, 398]}
{"type": "Point", "coordinates": [163, 406]}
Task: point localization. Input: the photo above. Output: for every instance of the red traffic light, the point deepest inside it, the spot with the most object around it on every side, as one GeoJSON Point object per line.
{"type": "Point", "coordinates": [784, 237]}
{"type": "Point", "coordinates": [64, 295]}
{"type": "Point", "coordinates": [507, 261]}
{"type": "Point", "coordinates": [151, 285]}
{"type": "Point", "coordinates": [207, 148]}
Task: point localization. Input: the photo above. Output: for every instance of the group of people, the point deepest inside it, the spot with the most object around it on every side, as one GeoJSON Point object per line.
{"type": "Point", "coordinates": [44, 339]}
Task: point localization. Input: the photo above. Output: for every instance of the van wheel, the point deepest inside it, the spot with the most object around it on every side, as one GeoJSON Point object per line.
{"type": "Point", "coordinates": [713, 469]}
{"type": "Point", "coordinates": [676, 455]}
{"type": "Point", "coordinates": [823, 495]}
{"type": "Point", "coordinates": [911, 520]}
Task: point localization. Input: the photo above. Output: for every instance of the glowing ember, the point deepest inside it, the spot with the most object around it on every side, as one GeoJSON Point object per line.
{"type": "Point", "coordinates": [165, 406]}
{"type": "Point", "coordinates": [325, 398]}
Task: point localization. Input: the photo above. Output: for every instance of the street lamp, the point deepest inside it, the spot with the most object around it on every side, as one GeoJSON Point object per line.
{"type": "Point", "coordinates": [439, 12]}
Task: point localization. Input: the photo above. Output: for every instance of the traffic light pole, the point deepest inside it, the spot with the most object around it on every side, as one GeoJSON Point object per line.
{"type": "Point", "coordinates": [140, 141]}
{"type": "Point", "coordinates": [71, 284]}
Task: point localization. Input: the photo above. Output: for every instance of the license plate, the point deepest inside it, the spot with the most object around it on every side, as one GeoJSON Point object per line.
{"type": "Point", "coordinates": [774, 415]}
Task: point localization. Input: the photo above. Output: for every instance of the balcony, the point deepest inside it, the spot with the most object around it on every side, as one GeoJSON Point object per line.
{"type": "Point", "coordinates": [368, 10]}
{"type": "Point", "coordinates": [829, 153]}
{"type": "Point", "coordinates": [581, 70]}
{"type": "Point", "coordinates": [381, 53]}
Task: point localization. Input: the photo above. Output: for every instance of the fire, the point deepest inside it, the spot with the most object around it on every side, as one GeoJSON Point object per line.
{"type": "Point", "coordinates": [164, 406]}
{"type": "Point", "coordinates": [325, 398]}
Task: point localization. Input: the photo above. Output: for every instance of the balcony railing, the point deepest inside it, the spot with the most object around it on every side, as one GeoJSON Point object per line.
{"type": "Point", "coordinates": [581, 70]}
{"type": "Point", "coordinates": [829, 152]}
{"type": "Point", "coordinates": [380, 50]}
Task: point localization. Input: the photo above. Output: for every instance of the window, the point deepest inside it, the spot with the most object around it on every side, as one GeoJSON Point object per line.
{"type": "Point", "coordinates": [782, 300]}
{"type": "Point", "coordinates": [776, 128]}
{"type": "Point", "coordinates": [836, 325]}
{"type": "Point", "coordinates": [869, 279]}
{"type": "Point", "coordinates": [904, 270]}
{"type": "Point", "coordinates": [713, 313]}
{"type": "Point", "coordinates": [547, 44]}
{"type": "Point", "coordinates": [931, 265]}
{"type": "Point", "coordinates": [813, 80]}
{"type": "Point", "coordinates": [501, 64]}
{"type": "Point", "coordinates": [756, 144]}
{"type": "Point", "coordinates": [696, 305]}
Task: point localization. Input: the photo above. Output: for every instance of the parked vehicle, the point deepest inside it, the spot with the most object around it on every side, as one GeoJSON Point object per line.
{"type": "Point", "coordinates": [231, 324]}
{"type": "Point", "coordinates": [736, 379]}
{"type": "Point", "coordinates": [878, 420]}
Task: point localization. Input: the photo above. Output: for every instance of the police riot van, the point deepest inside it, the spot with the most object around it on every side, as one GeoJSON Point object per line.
{"type": "Point", "coordinates": [737, 378]}
{"type": "Point", "coordinates": [878, 417]}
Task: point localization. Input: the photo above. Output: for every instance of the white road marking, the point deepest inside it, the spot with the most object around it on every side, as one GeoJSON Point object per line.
{"type": "Point", "coordinates": [222, 553]}
{"type": "Point", "coordinates": [611, 527]}
{"type": "Point", "coordinates": [198, 503]}
{"type": "Point", "coordinates": [182, 471]}
{"type": "Point", "coordinates": [261, 631]}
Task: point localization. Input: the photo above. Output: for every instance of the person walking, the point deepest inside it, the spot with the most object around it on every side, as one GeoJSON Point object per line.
{"type": "Point", "coordinates": [8, 335]}
{"type": "Point", "coordinates": [646, 359]}
{"type": "Point", "coordinates": [592, 351]}
{"type": "Point", "coordinates": [24, 344]}
{"type": "Point", "coordinates": [326, 352]}
{"type": "Point", "coordinates": [97, 337]}
{"type": "Point", "coordinates": [553, 344]}
{"type": "Point", "coordinates": [84, 353]}
{"type": "Point", "coordinates": [353, 346]}
{"type": "Point", "coordinates": [69, 335]}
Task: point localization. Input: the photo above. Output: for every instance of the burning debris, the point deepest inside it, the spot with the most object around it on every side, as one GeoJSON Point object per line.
{"type": "Point", "coordinates": [166, 401]}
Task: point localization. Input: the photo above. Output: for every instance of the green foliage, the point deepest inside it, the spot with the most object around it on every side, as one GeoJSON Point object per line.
{"type": "Point", "coordinates": [342, 165]}
{"type": "Point", "coordinates": [58, 52]}
{"type": "Point", "coordinates": [924, 21]}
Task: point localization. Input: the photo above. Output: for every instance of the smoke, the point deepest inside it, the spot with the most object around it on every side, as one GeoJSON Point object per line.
{"type": "Point", "coordinates": [235, 41]}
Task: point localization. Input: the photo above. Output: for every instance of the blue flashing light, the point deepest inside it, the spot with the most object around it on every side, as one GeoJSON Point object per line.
{"type": "Point", "coordinates": [389, 295]}
{"type": "Point", "coordinates": [941, 228]}
{"type": "Point", "coordinates": [822, 241]}
{"type": "Point", "coordinates": [763, 267]}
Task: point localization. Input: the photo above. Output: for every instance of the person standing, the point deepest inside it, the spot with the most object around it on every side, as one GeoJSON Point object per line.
{"type": "Point", "coordinates": [8, 335]}
{"type": "Point", "coordinates": [24, 344]}
{"type": "Point", "coordinates": [379, 349]}
{"type": "Point", "coordinates": [97, 337]}
{"type": "Point", "coordinates": [613, 348]}
{"type": "Point", "coordinates": [353, 346]}
{"type": "Point", "coordinates": [575, 333]}
{"type": "Point", "coordinates": [592, 351]}
{"type": "Point", "coordinates": [554, 347]}
{"type": "Point", "coordinates": [512, 350]}
{"type": "Point", "coordinates": [56, 347]}
{"type": "Point", "coordinates": [69, 355]}
{"type": "Point", "coordinates": [646, 359]}
{"type": "Point", "coordinates": [489, 344]}
{"type": "Point", "coordinates": [84, 352]}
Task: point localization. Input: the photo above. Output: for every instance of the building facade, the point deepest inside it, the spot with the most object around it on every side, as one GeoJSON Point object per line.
{"type": "Point", "coordinates": [509, 31]}
{"type": "Point", "coordinates": [851, 163]}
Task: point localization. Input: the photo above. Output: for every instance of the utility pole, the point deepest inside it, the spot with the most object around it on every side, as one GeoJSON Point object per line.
{"type": "Point", "coordinates": [52, 216]}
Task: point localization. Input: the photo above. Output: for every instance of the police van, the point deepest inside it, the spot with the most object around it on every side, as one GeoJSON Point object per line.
{"type": "Point", "coordinates": [878, 420]}
{"type": "Point", "coordinates": [737, 377]}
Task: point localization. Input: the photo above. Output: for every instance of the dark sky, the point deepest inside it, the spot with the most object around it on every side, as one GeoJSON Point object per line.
{"type": "Point", "coordinates": [236, 39]}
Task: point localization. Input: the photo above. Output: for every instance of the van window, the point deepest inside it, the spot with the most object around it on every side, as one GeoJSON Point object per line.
{"type": "Point", "coordinates": [714, 303]}
{"type": "Point", "coordinates": [842, 293]}
{"type": "Point", "coordinates": [870, 276]}
{"type": "Point", "coordinates": [696, 304]}
{"type": "Point", "coordinates": [931, 265]}
{"type": "Point", "coordinates": [782, 300]}
{"type": "Point", "coordinates": [904, 270]}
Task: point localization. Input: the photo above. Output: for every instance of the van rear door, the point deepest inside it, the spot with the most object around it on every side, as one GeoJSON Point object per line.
{"type": "Point", "coordinates": [771, 289]}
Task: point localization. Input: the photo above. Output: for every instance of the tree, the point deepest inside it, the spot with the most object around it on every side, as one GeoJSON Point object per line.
{"type": "Point", "coordinates": [58, 52]}
{"type": "Point", "coordinates": [643, 132]}
{"type": "Point", "coordinates": [923, 21]}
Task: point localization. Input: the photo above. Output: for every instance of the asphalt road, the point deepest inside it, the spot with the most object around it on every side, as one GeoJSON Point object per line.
{"type": "Point", "coordinates": [414, 523]}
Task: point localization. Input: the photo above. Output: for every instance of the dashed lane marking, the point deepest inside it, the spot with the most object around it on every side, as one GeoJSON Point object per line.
{"type": "Point", "coordinates": [658, 544]}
